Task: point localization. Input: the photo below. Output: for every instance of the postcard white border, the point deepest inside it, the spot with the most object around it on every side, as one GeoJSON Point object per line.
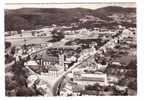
{"type": "Point", "coordinates": [140, 50]}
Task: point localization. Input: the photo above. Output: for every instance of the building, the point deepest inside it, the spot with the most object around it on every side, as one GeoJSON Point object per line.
{"type": "Point", "coordinates": [59, 55]}
{"type": "Point", "coordinates": [34, 66]}
{"type": "Point", "coordinates": [91, 79]}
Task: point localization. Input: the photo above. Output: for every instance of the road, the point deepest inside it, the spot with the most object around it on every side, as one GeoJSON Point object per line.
{"type": "Point", "coordinates": [18, 41]}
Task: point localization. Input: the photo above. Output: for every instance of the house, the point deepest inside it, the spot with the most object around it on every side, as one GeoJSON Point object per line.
{"type": "Point", "coordinates": [34, 66]}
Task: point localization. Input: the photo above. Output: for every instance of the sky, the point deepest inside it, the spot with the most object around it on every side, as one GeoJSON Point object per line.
{"type": "Point", "coordinates": [93, 5]}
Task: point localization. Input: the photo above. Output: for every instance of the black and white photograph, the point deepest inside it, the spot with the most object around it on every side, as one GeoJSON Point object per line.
{"type": "Point", "coordinates": [70, 49]}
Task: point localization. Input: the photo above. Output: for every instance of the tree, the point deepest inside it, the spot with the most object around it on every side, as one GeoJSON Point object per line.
{"type": "Point", "coordinates": [133, 85]}
{"type": "Point", "coordinates": [13, 50]}
{"type": "Point", "coordinates": [17, 23]}
{"type": "Point", "coordinates": [7, 44]}
{"type": "Point", "coordinates": [57, 35]}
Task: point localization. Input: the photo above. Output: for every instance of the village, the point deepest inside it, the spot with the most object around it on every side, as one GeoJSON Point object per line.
{"type": "Point", "coordinates": [96, 61]}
